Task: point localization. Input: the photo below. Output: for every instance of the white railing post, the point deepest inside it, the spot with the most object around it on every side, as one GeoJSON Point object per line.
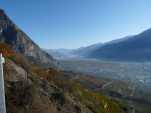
{"type": "Point", "coordinates": [2, 88]}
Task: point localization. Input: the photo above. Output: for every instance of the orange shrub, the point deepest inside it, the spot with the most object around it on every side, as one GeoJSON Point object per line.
{"type": "Point", "coordinates": [6, 50]}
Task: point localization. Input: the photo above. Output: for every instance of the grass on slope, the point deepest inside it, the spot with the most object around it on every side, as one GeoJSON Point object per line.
{"type": "Point", "coordinates": [94, 101]}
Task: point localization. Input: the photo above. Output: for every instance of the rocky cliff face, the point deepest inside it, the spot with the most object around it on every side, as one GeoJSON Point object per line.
{"type": "Point", "coordinates": [28, 94]}
{"type": "Point", "coordinates": [21, 43]}
{"type": "Point", "coordinates": [32, 88]}
{"type": "Point", "coordinates": [39, 91]}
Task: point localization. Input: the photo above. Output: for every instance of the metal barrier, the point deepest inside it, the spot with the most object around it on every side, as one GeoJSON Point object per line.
{"type": "Point", "coordinates": [2, 88]}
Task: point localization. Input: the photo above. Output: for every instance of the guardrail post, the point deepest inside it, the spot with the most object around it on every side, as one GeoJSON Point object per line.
{"type": "Point", "coordinates": [2, 88]}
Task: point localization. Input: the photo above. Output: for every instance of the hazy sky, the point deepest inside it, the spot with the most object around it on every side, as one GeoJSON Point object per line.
{"type": "Point", "coordinates": [76, 23]}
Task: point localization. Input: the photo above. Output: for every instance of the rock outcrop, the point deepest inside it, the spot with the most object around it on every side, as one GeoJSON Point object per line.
{"type": "Point", "coordinates": [21, 43]}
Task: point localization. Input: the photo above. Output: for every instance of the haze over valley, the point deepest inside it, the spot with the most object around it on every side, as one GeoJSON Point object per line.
{"type": "Point", "coordinates": [126, 59]}
{"type": "Point", "coordinates": [103, 64]}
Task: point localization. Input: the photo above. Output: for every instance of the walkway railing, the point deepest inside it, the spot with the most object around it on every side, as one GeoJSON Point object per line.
{"type": "Point", "coordinates": [2, 88]}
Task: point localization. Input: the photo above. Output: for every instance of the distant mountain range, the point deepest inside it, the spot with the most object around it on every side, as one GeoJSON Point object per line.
{"type": "Point", "coordinates": [134, 48]}
{"type": "Point", "coordinates": [81, 52]}
{"type": "Point", "coordinates": [61, 53]}
{"type": "Point", "coordinates": [130, 48]}
{"type": "Point", "coordinates": [30, 87]}
{"type": "Point", "coordinates": [34, 82]}
{"type": "Point", "coordinates": [84, 51]}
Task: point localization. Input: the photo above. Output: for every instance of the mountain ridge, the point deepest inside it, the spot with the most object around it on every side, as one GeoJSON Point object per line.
{"type": "Point", "coordinates": [130, 48]}
{"type": "Point", "coordinates": [136, 48]}
{"type": "Point", "coordinates": [20, 42]}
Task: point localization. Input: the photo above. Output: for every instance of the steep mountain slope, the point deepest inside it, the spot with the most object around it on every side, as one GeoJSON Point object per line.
{"type": "Point", "coordinates": [32, 89]}
{"type": "Point", "coordinates": [84, 51]}
{"type": "Point", "coordinates": [21, 43]}
{"type": "Point", "coordinates": [135, 48]}
{"type": "Point", "coordinates": [130, 48]}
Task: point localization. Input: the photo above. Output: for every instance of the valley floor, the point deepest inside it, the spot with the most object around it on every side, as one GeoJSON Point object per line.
{"type": "Point", "coordinates": [127, 82]}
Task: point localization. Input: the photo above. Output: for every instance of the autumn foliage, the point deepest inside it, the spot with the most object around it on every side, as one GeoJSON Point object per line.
{"type": "Point", "coordinates": [6, 50]}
